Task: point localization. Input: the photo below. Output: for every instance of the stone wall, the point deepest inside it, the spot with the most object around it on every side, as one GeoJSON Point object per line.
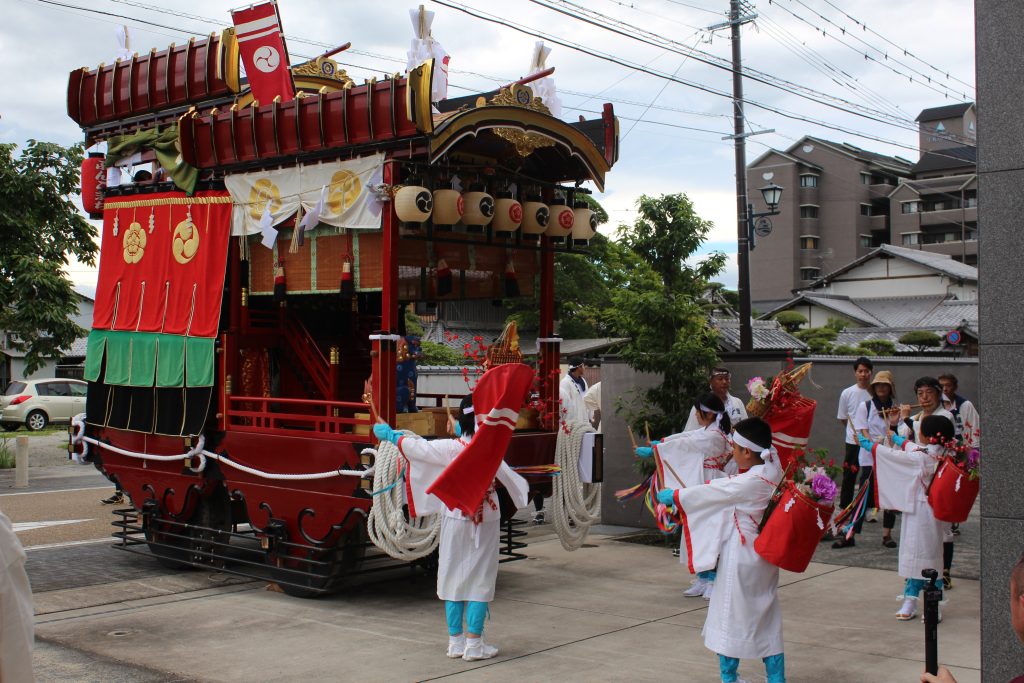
{"type": "Point", "coordinates": [1001, 242]}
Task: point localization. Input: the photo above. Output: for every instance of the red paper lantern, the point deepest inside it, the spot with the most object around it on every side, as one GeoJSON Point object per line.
{"type": "Point", "coordinates": [94, 184]}
{"type": "Point", "coordinates": [952, 492]}
{"type": "Point", "coordinates": [793, 531]}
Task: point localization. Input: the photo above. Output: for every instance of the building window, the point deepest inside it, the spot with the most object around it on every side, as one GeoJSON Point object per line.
{"type": "Point", "coordinates": [865, 241]}
{"type": "Point", "coordinates": [911, 238]}
{"type": "Point", "coordinates": [865, 178]}
{"type": "Point", "coordinates": [971, 200]}
{"type": "Point", "coordinates": [808, 180]}
{"type": "Point", "coordinates": [865, 209]}
{"type": "Point", "coordinates": [808, 211]}
{"type": "Point", "coordinates": [808, 242]}
{"type": "Point", "coordinates": [910, 207]}
{"type": "Point", "coordinates": [809, 273]}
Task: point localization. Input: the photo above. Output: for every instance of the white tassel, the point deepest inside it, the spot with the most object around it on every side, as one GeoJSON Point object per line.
{"type": "Point", "coordinates": [789, 504]}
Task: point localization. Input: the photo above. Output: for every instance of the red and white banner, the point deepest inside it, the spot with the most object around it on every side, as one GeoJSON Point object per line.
{"type": "Point", "coordinates": [261, 46]}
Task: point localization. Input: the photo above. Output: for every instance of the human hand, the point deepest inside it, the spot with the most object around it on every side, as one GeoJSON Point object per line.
{"type": "Point", "coordinates": [904, 411]}
{"type": "Point", "coordinates": [384, 432]}
{"type": "Point", "coordinates": [667, 497]}
{"type": "Point", "coordinates": [644, 452]}
{"type": "Point", "coordinates": [865, 442]}
{"type": "Point", "coordinates": [944, 676]}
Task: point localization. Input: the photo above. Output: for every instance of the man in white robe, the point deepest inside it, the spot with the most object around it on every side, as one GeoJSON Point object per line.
{"type": "Point", "coordinates": [468, 546]}
{"type": "Point", "coordinates": [720, 381]}
{"type": "Point", "coordinates": [570, 393]}
{"type": "Point", "coordinates": [903, 474]}
{"type": "Point", "coordinates": [16, 612]}
{"type": "Point", "coordinates": [720, 523]}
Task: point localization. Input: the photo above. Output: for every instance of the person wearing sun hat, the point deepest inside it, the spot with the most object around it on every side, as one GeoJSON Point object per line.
{"type": "Point", "coordinates": [875, 419]}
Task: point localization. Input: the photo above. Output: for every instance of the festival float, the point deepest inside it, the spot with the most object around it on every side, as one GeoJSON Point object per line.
{"type": "Point", "coordinates": [249, 313]}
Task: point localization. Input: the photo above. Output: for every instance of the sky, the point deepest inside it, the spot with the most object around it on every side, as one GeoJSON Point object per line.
{"type": "Point", "coordinates": [867, 57]}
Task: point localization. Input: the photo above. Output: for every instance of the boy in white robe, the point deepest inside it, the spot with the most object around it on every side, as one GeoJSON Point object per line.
{"type": "Point", "coordinates": [468, 547]}
{"type": "Point", "coordinates": [903, 475]}
{"type": "Point", "coordinates": [720, 523]}
{"type": "Point", "coordinates": [691, 458]}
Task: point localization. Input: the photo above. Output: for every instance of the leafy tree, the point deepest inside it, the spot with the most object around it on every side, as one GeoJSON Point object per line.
{"type": "Point", "coordinates": [413, 325]}
{"type": "Point", "coordinates": [433, 353]}
{"type": "Point", "coordinates": [791, 321]}
{"type": "Point", "coordinates": [818, 339]}
{"type": "Point", "coordinates": [921, 340]}
{"type": "Point", "coordinates": [657, 303]}
{"type": "Point", "coordinates": [41, 227]}
{"type": "Point", "coordinates": [876, 347]}
{"type": "Point", "coordinates": [845, 350]}
{"type": "Point", "coordinates": [837, 324]}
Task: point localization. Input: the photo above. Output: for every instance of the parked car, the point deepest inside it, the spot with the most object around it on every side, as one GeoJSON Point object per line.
{"type": "Point", "coordinates": [36, 403]}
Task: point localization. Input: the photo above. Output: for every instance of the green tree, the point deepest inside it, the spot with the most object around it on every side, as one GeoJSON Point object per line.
{"type": "Point", "coordinates": [845, 350]}
{"type": "Point", "coordinates": [433, 353]}
{"type": "Point", "coordinates": [837, 324]}
{"type": "Point", "coordinates": [41, 227]}
{"type": "Point", "coordinates": [657, 303]}
{"type": "Point", "coordinates": [791, 321]}
{"type": "Point", "coordinates": [818, 339]}
{"type": "Point", "coordinates": [921, 340]}
{"type": "Point", "coordinates": [876, 347]}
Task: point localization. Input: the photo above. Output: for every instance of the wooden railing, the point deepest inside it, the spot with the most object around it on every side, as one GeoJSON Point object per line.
{"type": "Point", "coordinates": [291, 416]}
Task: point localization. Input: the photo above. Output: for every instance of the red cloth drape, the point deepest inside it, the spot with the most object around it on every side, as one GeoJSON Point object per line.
{"type": "Point", "coordinates": [163, 270]}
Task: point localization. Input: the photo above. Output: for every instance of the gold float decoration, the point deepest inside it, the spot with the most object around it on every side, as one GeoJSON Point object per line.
{"type": "Point", "coordinates": [521, 96]}
{"type": "Point", "coordinates": [185, 244]}
{"type": "Point", "coordinates": [134, 243]}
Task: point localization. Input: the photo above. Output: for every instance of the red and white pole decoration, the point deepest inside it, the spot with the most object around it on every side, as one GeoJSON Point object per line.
{"type": "Point", "coordinates": [94, 183]}
{"type": "Point", "coordinates": [261, 46]}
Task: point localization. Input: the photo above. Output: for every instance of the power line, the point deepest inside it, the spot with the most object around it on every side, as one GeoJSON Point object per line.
{"type": "Point", "coordinates": [927, 82]}
{"type": "Point", "coordinates": [804, 92]}
{"type": "Point", "coordinates": [659, 74]}
{"type": "Point", "coordinates": [900, 47]}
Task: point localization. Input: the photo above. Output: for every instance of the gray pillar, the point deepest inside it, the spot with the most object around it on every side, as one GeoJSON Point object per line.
{"type": "Point", "coordinates": [1000, 63]}
{"type": "Point", "coordinates": [21, 463]}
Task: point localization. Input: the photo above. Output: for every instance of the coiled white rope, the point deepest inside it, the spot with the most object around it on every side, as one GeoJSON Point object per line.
{"type": "Point", "coordinates": [575, 505]}
{"type": "Point", "coordinates": [388, 524]}
{"type": "Point", "coordinates": [202, 455]}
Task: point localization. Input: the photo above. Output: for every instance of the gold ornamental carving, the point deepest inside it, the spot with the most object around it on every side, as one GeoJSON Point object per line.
{"type": "Point", "coordinates": [134, 243]}
{"type": "Point", "coordinates": [323, 68]}
{"type": "Point", "coordinates": [186, 241]}
{"type": "Point", "coordinates": [521, 96]}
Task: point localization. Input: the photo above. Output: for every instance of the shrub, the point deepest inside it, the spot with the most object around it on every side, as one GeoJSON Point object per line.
{"type": "Point", "coordinates": [921, 340]}
{"type": "Point", "coordinates": [791, 321]}
{"type": "Point", "coordinates": [876, 347]}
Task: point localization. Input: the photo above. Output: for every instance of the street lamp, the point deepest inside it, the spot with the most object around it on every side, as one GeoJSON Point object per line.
{"type": "Point", "coordinates": [772, 195]}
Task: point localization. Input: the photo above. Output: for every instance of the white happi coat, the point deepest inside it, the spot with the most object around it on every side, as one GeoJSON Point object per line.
{"type": "Point", "coordinates": [574, 408]}
{"type": "Point", "coordinates": [689, 459]}
{"type": "Point", "coordinates": [720, 521]}
{"type": "Point", "coordinates": [16, 613]}
{"type": "Point", "coordinates": [903, 477]}
{"type": "Point", "coordinates": [468, 551]}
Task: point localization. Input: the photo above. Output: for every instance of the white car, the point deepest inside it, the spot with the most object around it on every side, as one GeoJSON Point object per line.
{"type": "Point", "coordinates": [36, 403]}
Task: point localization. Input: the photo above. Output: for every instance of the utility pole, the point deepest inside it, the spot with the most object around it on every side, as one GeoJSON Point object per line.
{"type": "Point", "coordinates": [740, 142]}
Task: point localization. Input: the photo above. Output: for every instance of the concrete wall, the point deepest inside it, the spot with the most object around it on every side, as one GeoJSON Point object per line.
{"type": "Point", "coordinates": [831, 375]}
{"type": "Point", "coordinates": [1001, 160]}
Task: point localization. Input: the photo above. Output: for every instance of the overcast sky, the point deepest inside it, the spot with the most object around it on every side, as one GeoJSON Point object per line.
{"type": "Point", "coordinates": [40, 43]}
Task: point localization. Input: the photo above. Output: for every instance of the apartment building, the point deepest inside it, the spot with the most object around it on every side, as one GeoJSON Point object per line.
{"type": "Point", "coordinates": [841, 202]}
{"type": "Point", "coordinates": [834, 210]}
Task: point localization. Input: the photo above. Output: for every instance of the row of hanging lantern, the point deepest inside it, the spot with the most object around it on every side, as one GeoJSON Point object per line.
{"type": "Point", "coordinates": [476, 210]}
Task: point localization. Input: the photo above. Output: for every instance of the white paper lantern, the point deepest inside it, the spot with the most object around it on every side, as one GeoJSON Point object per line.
{"type": "Point", "coordinates": [479, 209]}
{"type": "Point", "coordinates": [584, 224]}
{"type": "Point", "coordinates": [448, 208]}
{"type": "Point", "coordinates": [508, 213]}
{"type": "Point", "coordinates": [413, 204]}
{"type": "Point", "coordinates": [535, 218]}
{"type": "Point", "coordinates": [561, 220]}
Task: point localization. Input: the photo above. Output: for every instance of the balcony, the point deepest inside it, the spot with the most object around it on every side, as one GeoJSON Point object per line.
{"type": "Point", "coordinates": [807, 195]}
{"type": "Point", "coordinates": [809, 226]}
{"type": "Point", "coordinates": [880, 222]}
{"type": "Point", "coordinates": [881, 187]}
{"type": "Point", "coordinates": [948, 217]}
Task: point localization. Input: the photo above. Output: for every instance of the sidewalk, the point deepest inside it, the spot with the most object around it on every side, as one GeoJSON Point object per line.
{"type": "Point", "coordinates": [609, 611]}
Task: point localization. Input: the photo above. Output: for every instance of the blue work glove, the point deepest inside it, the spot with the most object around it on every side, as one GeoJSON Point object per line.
{"type": "Point", "coordinates": [655, 442]}
{"type": "Point", "coordinates": [898, 440]}
{"type": "Point", "coordinates": [667, 497]}
{"type": "Point", "coordinates": [384, 432]}
{"type": "Point", "coordinates": [644, 452]}
{"type": "Point", "coordinates": [865, 442]}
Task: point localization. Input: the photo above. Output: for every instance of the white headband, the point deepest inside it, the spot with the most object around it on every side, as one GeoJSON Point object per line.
{"type": "Point", "coordinates": [718, 413]}
{"type": "Point", "coordinates": [740, 440]}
